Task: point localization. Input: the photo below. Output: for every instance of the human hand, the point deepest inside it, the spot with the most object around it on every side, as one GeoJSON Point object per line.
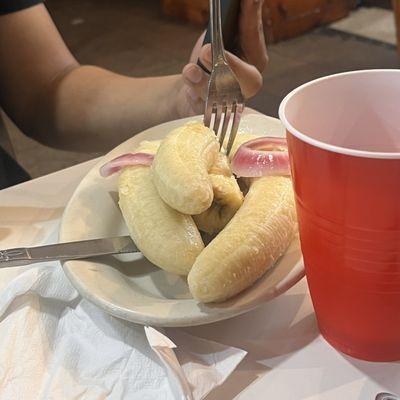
{"type": "Point", "coordinates": [248, 65]}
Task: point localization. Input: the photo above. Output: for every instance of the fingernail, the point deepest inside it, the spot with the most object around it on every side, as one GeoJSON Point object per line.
{"type": "Point", "coordinates": [193, 73]}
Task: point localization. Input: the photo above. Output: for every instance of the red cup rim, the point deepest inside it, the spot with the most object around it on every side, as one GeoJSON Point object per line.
{"type": "Point", "coordinates": [326, 146]}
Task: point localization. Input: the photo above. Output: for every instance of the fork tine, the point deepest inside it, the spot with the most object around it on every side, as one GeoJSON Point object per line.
{"type": "Point", "coordinates": [227, 116]}
{"type": "Point", "coordinates": [237, 112]}
{"type": "Point", "coordinates": [208, 113]}
{"type": "Point", "coordinates": [217, 120]}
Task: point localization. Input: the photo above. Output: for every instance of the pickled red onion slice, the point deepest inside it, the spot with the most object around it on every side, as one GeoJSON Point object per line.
{"type": "Point", "coordinates": [126, 160]}
{"type": "Point", "coordinates": [260, 157]}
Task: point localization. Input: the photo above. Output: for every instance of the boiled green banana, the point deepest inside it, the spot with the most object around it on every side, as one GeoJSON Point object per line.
{"type": "Point", "coordinates": [249, 245]}
{"type": "Point", "coordinates": [166, 237]}
{"type": "Point", "coordinates": [227, 198]}
{"type": "Point", "coordinates": [181, 166]}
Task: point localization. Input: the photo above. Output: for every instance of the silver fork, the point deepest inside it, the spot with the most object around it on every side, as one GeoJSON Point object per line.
{"type": "Point", "coordinates": [224, 96]}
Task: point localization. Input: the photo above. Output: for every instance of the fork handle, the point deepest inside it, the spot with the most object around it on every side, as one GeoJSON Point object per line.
{"type": "Point", "coordinates": [217, 43]}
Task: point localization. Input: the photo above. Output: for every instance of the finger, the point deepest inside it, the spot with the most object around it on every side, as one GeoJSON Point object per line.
{"type": "Point", "coordinates": [205, 56]}
{"type": "Point", "coordinates": [196, 79]}
{"type": "Point", "coordinates": [192, 73]}
{"type": "Point", "coordinates": [198, 91]}
{"type": "Point", "coordinates": [194, 103]}
{"type": "Point", "coordinates": [196, 48]}
{"type": "Point", "coordinates": [188, 106]}
{"type": "Point", "coordinates": [249, 76]}
{"type": "Point", "coordinates": [252, 40]}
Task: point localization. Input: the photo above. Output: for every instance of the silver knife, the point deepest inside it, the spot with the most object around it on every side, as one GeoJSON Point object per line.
{"type": "Point", "coordinates": [67, 251]}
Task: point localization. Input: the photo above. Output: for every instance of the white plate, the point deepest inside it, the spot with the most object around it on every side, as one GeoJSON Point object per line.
{"type": "Point", "coordinates": [130, 287]}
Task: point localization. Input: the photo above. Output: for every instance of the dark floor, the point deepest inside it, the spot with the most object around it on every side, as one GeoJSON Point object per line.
{"type": "Point", "coordinates": [133, 37]}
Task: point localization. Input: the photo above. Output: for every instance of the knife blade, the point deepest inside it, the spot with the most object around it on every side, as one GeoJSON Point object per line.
{"type": "Point", "coordinates": [67, 251]}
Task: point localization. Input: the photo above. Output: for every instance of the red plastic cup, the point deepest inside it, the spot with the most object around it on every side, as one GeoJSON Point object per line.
{"type": "Point", "coordinates": [343, 134]}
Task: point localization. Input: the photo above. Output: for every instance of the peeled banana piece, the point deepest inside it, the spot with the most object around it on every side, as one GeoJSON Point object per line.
{"type": "Point", "coordinates": [148, 146]}
{"type": "Point", "coordinates": [166, 237]}
{"type": "Point", "coordinates": [227, 198]}
{"type": "Point", "coordinates": [249, 245]}
{"type": "Point", "coordinates": [181, 166]}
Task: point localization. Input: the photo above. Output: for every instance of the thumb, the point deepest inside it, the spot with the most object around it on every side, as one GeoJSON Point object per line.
{"type": "Point", "coordinates": [250, 79]}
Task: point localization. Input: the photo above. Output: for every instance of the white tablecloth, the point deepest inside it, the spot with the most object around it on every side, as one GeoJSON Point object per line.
{"type": "Point", "coordinates": [287, 358]}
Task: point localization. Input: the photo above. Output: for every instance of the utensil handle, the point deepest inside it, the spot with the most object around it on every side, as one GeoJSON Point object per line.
{"type": "Point", "coordinates": [230, 28]}
{"type": "Point", "coordinates": [217, 43]}
{"type": "Point", "coordinates": [66, 251]}
{"type": "Point", "coordinates": [14, 257]}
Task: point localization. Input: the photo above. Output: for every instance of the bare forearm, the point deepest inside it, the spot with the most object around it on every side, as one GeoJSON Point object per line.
{"type": "Point", "coordinates": [55, 100]}
{"type": "Point", "coordinates": [93, 109]}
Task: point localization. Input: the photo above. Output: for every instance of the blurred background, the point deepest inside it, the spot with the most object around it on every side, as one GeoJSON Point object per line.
{"type": "Point", "coordinates": [306, 39]}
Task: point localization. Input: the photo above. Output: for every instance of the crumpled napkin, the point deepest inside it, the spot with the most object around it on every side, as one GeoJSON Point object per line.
{"type": "Point", "coordinates": [56, 345]}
